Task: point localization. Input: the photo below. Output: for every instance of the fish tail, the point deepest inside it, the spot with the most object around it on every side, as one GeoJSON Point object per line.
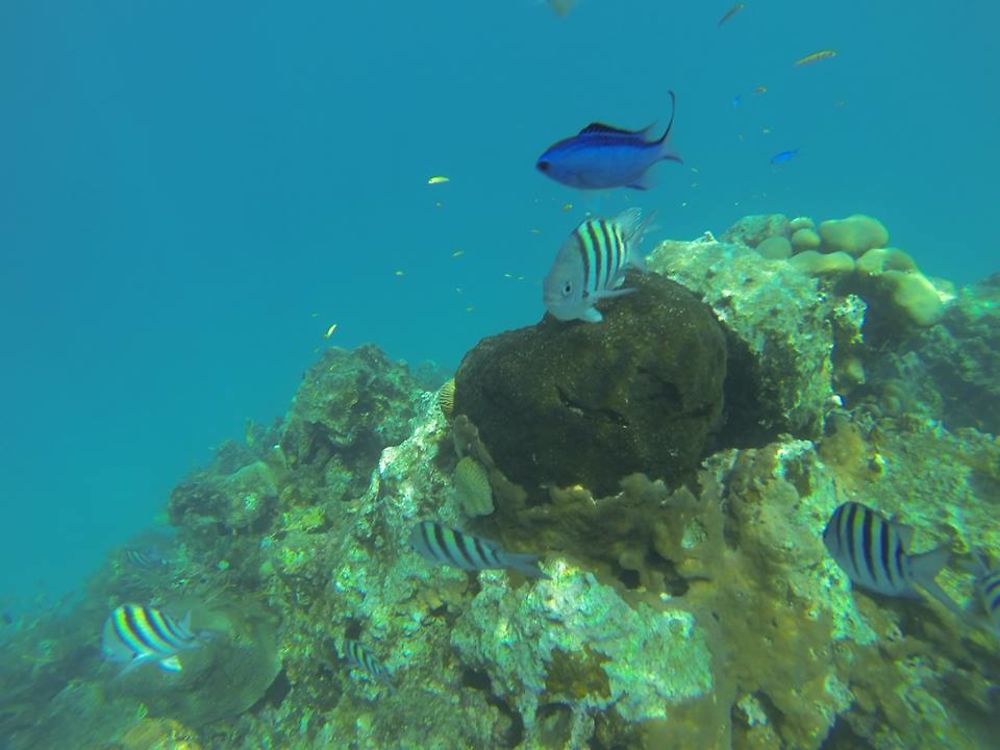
{"type": "Point", "coordinates": [634, 226]}
{"type": "Point", "coordinates": [525, 563]}
{"type": "Point", "coordinates": [666, 153]}
{"type": "Point", "coordinates": [925, 567]}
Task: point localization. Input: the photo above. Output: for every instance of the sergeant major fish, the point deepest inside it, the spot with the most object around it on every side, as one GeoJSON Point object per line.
{"type": "Point", "coordinates": [601, 156]}
{"type": "Point", "coordinates": [441, 544]}
{"type": "Point", "coordinates": [361, 658]}
{"type": "Point", "coordinates": [988, 588]}
{"type": "Point", "coordinates": [590, 265]}
{"type": "Point", "coordinates": [134, 635]}
{"type": "Point", "coordinates": [873, 551]}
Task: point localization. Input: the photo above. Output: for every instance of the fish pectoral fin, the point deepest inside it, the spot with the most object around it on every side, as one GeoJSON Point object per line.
{"type": "Point", "coordinates": [591, 315]}
{"type": "Point", "coordinates": [611, 293]}
{"type": "Point", "coordinates": [138, 661]}
{"type": "Point", "coordinates": [171, 664]}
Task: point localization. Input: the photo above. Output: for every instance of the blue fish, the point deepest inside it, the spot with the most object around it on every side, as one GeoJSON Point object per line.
{"type": "Point", "coordinates": [601, 156]}
{"type": "Point", "coordinates": [782, 156]}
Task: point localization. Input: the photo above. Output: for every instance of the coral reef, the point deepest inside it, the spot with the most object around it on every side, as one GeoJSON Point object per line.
{"type": "Point", "coordinates": [690, 600]}
{"type": "Point", "coordinates": [563, 404]}
{"type": "Point", "coordinates": [853, 235]}
{"type": "Point", "coordinates": [780, 335]}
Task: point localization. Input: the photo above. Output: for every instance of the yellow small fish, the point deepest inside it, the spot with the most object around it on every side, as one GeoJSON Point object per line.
{"type": "Point", "coordinates": [823, 54]}
{"type": "Point", "coordinates": [534, 230]}
{"type": "Point", "coordinates": [567, 207]}
{"type": "Point", "coordinates": [330, 330]}
{"type": "Point", "coordinates": [470, 308]}
{"type": "Point", "coordinates": [400, 273]}
{"type": "Point", "coordinates": [438, 179]}
{"type": "Point", "coordinates": [508, 276]}
{"type": "Point", "coordinates": [760, 89]}
{"type": "Point", "coordinates": [458, 253]}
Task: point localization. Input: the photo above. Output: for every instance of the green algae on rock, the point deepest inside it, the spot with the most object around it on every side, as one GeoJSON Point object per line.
{"type": "Point", "coordinates": [350, 405]}
{"type": "Point", "coordinates": [568, 403]}
{"type": "Point", "coordinates": [780, 336]}
{"type": "Point", "coordinates": [755, 229]}
{"type": "Point", "coordinates": [574, 643]}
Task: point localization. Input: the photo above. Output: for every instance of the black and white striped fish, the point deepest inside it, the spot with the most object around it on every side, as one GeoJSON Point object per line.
{"type": "Point", "coordinates": [873, 551]}
{"type": "Point", "coordinates": [591, 263]}
{"type": "Point", "coordinates": [144, 559]}
{"type": "Point", "coordinates": [460, 550]}
{"type": "Point", "coordinates": [134, 635]}
{"type": "Point", "coordinates": [988, 587]}
{"type": "Point", "coordinates": [361, 658]}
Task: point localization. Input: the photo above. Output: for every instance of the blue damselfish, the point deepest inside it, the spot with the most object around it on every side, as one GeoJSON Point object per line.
{"type": "Point", "coordinates": [601, 156]}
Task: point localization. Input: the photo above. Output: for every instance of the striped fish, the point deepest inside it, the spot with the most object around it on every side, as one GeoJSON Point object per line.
{"type": "Point", "coordinates": [143, 559]}
{"type": "Point", "coordinates": [988, 587]}
{"type": "Point", "coordinates": [361, 658]}
{"type": "Point", "coordinates": [591, 263]}
{"type": "Point", "coordinates": [441, 544]}
{"type": "Point", "coordinates": [134, 635]}
{"type": "Point", "coordinates": [873, 551]}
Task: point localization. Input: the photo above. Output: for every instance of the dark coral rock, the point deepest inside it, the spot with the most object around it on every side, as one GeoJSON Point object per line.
{"type": "Point", "coordinates": [350, 406]}
{"type": "Point", "coordinates": [587, 403]}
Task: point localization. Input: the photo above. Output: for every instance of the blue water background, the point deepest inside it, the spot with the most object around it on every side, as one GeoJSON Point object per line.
{"type": "Point", "coordinates": [192, 192]}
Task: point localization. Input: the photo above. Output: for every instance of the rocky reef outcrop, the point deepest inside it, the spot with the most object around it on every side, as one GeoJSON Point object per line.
{"type": "Point", "coordinates": [702, 611]}
{"type": "Point", "coordinates": [559, 404]}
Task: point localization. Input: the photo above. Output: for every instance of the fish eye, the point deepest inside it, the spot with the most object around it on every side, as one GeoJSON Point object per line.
{"type": "Point", "coordinates": [567, 288]}
{"type": "Point", "coordinates": [543, 165]}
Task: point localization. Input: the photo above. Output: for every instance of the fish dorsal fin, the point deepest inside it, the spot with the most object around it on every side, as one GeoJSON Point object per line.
{"type": "Point", "coordinates": [599, 128]}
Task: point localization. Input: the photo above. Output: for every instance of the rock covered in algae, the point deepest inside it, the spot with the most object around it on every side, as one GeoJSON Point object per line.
{"type": "Point", "coordinates": [757, 228]}
{"type": "Point", "coordinates": [566, 403]}
{"type": "Point", "coordinates": [350, 405]}
{"type": "Point", "coordinates": [242, 500]}
{"type": "Point", "coordinates": [949, 371]}
{"type": "Point", "coordinates": [574, 644]}
{"type": "Point", "coordinates": [780, 335]}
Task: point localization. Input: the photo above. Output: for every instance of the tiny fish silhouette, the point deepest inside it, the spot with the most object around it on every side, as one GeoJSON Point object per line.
{"type": "Point", "coordinates": [782, 156]}
{"type": "Point", "coordinates": [731, 12]}
{"type": "Point", "coordinates": [601, 156]}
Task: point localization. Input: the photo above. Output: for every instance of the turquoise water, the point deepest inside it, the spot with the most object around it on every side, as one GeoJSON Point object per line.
{"type": "Point", "coordinates": [192, 193]}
